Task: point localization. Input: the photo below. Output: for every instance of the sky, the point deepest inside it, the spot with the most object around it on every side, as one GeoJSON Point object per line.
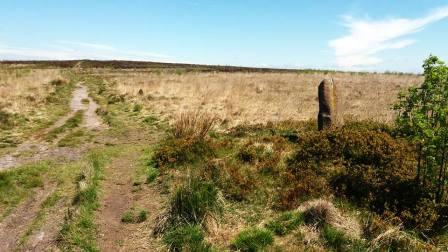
{"type": "Point", "coordinates": [380, 35]}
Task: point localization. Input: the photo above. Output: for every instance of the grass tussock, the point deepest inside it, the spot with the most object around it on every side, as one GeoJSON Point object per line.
{"type": "Point", "coordinates": [253, 239]}
{"type": "Point", "coordinates": [191, 204]}
{"type": "Point", "coordinates": [134, 215]}
{"type": "Point", "coordinates": [187, 142]}
{"type": "Point", "coordinates": [193, 125]}
{"type": "Point", "coordinates": [186, 238]}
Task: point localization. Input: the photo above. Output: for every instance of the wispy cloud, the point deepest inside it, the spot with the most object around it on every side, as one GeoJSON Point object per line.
{"type": "Point", "coordinates": [67, 50]}
{"type": "Point", "coordinates": [367, 38]}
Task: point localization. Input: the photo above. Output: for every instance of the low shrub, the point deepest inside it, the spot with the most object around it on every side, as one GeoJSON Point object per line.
{"type": "Point", "coordinates": [253, 239]}
{"type": "Point", "coordinates": [174, 151]}
{"type": "Point", "coordinates": [237, 182]}
{"type": "Point", "coordinates": [299, 187]}
{"type": "Point", "coordinates": [365, 164]}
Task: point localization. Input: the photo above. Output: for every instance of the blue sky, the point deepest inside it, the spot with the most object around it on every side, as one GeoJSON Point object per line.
{"type": "Point", "coordinates": [328, 34]}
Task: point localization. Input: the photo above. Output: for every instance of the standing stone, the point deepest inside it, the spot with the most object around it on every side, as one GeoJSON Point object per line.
{"type": "Point", "coordinates": [328, 105]}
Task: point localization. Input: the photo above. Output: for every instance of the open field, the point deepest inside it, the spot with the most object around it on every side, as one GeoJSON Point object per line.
{"type": "Point", "coordinates": [238, 98]}
{"type": "Point", "coordinates": [203, 158]}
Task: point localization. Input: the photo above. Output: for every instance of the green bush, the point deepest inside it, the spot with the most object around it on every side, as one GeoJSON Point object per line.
{"type": "Point", "coordinates": [186, 238]}
{"type": "Point", "coordinates": [253, 239]}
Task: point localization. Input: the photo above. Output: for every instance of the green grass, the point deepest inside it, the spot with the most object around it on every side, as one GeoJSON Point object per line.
{"type": "Point", "coordinates": [79, 231]}
{"type": "Point", "coordinates": [75, 138]}
{"type": "Point", "coordinates": [186, 238]}
{"type": "Point", "coordinates": [71, 123]}
{"type": "Point", "coordinates": [134, 215]}
{"type": "Point", "coordinates": [17, 184]}
{"type": "Point", "coordinates": [285, 223]}
{"type": "Point", "coordinates": [334, 238]}
{"type": "Point", "coordinates": [253, 239]}
{"type": "Point", "coordinates": [191, 202]}
{"type": "Point", "coordinates": [152, 174]}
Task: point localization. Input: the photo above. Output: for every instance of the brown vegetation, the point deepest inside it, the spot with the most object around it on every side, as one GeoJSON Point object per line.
{"type": "Point", "coordinates": [239, 98]}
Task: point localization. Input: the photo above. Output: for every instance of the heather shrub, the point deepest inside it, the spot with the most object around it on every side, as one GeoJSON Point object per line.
{"type": "Point", "coordinates": [236, 182]}
{"type": "Point", "coordinates": [365, 165]}
{"type": "Point", "coordinates": [173, 151]}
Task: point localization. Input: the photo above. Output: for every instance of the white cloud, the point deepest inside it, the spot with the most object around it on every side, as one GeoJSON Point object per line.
{"type": "Point", "coordinates": [369, 37]}
{"type": "Point", "coordinates": [68, 50]}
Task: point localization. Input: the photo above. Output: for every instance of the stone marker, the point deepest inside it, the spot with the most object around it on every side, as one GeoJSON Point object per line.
{"type": "Point", "coordinates": [328, 105]}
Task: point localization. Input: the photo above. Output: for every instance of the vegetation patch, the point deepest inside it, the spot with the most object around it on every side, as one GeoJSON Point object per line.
{"type": "Point", "coordinates": [79, 230]}
{"type": "Point", "coordinates": [17, 184]}
{"type": "Point", "coordinates": [285, 223]}
{"type": "Point", "coordinates": [75, 138]}
{"type": "Point", "coordinates": [134, 215]}
{"type": "Point", "coordinates": [186, 238]}
{"type": "Point", "coordinates": [71, 123]}
{"type": "Point", "coordinates": [253, 239]}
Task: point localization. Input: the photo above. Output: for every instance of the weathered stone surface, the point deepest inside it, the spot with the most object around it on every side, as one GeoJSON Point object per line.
{"type": "Point", "coordinates": [328, 105]}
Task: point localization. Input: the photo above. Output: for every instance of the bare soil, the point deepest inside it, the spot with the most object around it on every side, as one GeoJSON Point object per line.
{"type": "Point", "coordinates": [17, 222]}
{"type": "Point", "coordinates": [120, 195]}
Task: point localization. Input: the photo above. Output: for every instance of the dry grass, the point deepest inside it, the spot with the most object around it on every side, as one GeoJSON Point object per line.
{"type": "Point", "coordinates": [321, 212]}
{"type": "Point", "coordinates": [261, 97]}
{"type": "Point", "coordinates": [193, 125]}
{"type": "Point", "coordinates": [21, 90]}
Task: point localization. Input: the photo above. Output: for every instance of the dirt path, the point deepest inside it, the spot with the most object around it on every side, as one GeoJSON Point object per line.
{"type": "Point", "coordinates": [16, 223]}
{"type": "Point", "coordinates": [37, 149]}
{"type": "Point", "coordinates": [120, 195]}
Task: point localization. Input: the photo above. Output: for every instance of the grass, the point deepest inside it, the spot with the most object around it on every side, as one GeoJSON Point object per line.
{"type": "Point", "coordinates": [192, 201]}
{"type": "Point", "coordinates": [334, 238]}
{"type": "Point", "coordinates": [253, 239]}
{"type": "Point", "coordinates": [42, 97]}
{"type": "Point", "coordinates": [75, 138]}
{"type": "Point", "coordinates": [45, 207]}
{"type": "Point", "coordinates": [17, 184]}
{"type": "Point", "coordinates": [285, 223]}
{"type": "Point", "coordinates": [134, 215]}
{"type": "Point", "coordinates": [242, 97]}
{"type": "Point", "coordinates": [186, 238]}
{"type": "Point", "coordinates": [79, 231]}
{"type": "Point", "coordinates": [71, 123]}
